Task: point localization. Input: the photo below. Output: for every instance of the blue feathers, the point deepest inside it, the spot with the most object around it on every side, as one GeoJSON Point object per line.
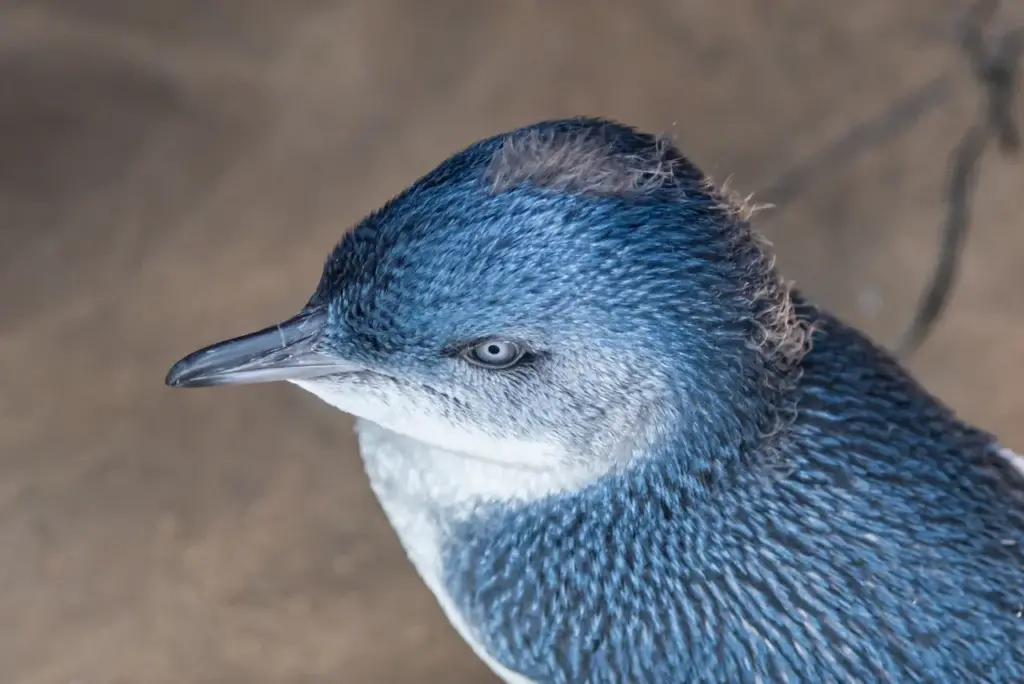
{"type": "Point", "coordinates": [891, 550]}
{"type": "Point", "coordinates": [785, 511]}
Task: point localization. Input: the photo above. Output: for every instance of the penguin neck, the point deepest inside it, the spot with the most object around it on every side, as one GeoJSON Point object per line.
{"type": "Point", "coordinates": [731, 422]}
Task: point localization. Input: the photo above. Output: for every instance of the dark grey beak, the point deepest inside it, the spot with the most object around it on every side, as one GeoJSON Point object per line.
{"type": "Point", "coordinates": [287, 351]}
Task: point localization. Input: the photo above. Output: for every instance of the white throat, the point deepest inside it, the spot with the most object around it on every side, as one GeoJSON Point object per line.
{"type": "Point", "coordinates": [423, 489]}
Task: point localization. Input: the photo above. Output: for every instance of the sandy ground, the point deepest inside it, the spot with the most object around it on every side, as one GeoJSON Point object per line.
{"type": "Point", "coordinates": [172, 173]}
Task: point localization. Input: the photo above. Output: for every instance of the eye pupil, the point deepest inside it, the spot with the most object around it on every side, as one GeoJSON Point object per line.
{"type": "Point", "coordinates": [494, 349]}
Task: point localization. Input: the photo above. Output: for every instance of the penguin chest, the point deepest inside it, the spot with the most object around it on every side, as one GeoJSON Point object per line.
{"type": "Point", "coordinates": [423, 492]}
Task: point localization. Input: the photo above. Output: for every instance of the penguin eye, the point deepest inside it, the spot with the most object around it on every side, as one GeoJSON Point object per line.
{"type": "Point", "coordinates": [494, 354]}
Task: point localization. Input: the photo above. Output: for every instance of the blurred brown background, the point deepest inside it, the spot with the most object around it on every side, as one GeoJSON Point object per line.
{"type": "Point", "coordinates": [174, 172]}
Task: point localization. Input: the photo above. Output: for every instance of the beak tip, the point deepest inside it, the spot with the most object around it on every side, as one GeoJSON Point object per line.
{"type": "Point", "coordinates": [191, 371]}
{"type": "Point", "coordinates": [177, 376]}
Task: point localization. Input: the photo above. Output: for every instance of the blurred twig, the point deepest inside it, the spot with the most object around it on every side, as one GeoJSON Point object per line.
{"type": "Point", "coordinates": [996, 66]}
{"type": "Point", "coordinates": [878, 130]}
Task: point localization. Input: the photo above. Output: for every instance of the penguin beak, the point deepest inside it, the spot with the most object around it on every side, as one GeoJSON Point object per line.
{"type": "Point", "coordinates": [287, 351]}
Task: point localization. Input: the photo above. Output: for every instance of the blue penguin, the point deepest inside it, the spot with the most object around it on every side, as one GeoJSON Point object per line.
{"type": "Point", "coordinates": [619, 448]}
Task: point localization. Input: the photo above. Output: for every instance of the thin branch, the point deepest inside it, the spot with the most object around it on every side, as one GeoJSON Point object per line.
{"type": "Point", "coordinates": [997, 69]}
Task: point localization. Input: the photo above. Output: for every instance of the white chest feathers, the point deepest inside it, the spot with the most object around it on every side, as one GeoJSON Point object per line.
{"type": "Point", "coordinates": [1014, 459]}
{"type": "Point", "coordinates": [423, 489]}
